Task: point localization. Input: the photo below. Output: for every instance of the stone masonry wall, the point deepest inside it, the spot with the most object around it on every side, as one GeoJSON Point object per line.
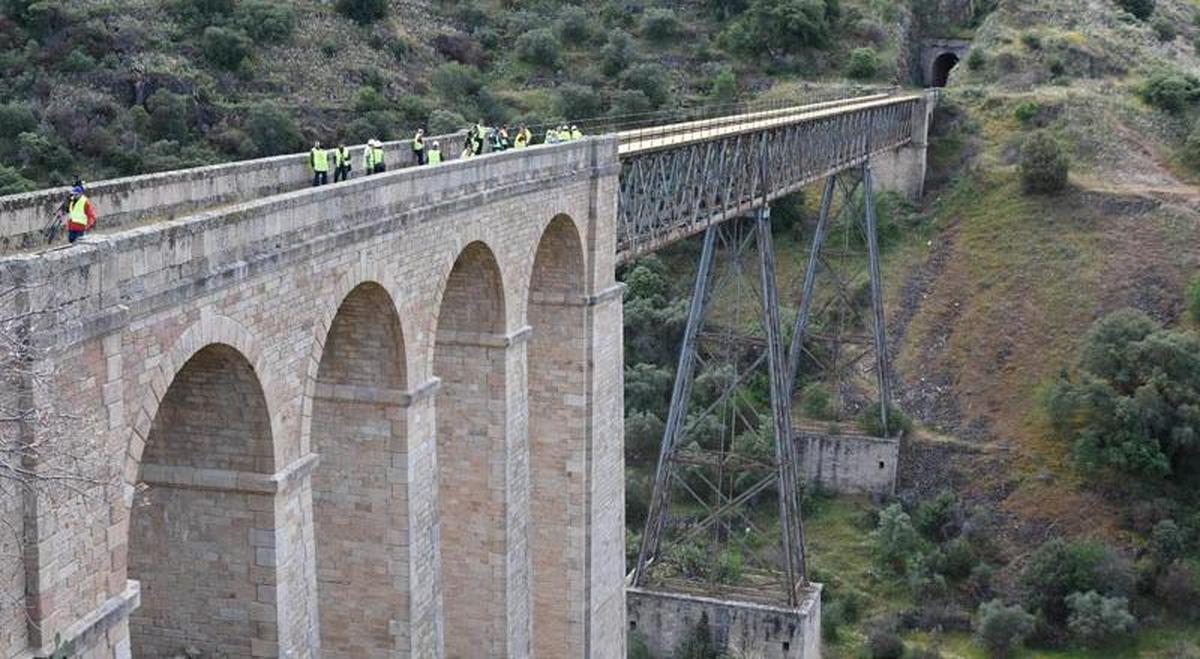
{"type": "Point", "coordinates": [849, 464]}
{"type": "Point", "coordinates": [666, 620]}
{"type": "Point", "coordinates": [266, 279]}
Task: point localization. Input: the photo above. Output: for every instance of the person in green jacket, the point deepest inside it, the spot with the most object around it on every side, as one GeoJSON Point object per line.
{"type": "Point", "coordinates": [435, 153]}
{"type": "Point", "coordinates": [368, 157]}
{"type": "Point", "coordinates": [341, 164]}
{"type": "Point", "coordinates": [318, 159]}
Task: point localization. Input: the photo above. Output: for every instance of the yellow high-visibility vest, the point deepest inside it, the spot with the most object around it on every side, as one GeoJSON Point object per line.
{"type": "Point", "coordinates": [320, 160]}
{"type": "Point", "coordinates": [77, 212]}
{"type": "Point", "coordinates": [435, 156]}
{"type": "Point", "coordinates": [377, 155]}
{"type": "Point", "coordinates": [341, 156]}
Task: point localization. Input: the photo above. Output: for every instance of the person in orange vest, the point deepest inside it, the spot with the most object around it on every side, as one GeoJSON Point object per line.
{"type": "Point", "coordinates": [81, 214]}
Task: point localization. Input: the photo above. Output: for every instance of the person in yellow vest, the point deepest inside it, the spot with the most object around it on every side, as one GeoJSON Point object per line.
{"type": "Point", "coordinates": [479, 138]}
{"type": "Point", "coordinates": [368, 157]}
{"type": "Point", "coordinates": [435, 153]}
{"type": "Point", "coordinates": [576, 134]}
{"type": "Point", "coordinates": [418, 147]}
{"type": "Point", "coordinates": [81, 215]}
{"type": "Point", "coordinates": [564, 133]}
{"type": "Point", "coordinates": [341, 164]}
{"type": "Point", "coordinates": [377, 157]}
{"type": "Point", "coordinates": [522, 138]}
{"type": "Point", "coordinates": [318, 159]}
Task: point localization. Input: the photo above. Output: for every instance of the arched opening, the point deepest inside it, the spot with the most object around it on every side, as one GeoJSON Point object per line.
{"type": "Point", "coordinates": [360, 488]}
{"type": "Point", "coordinates": [469, 358]}
{"type": "Point", "coordinates": [201, 542]}
{"type": "Point", "coordinates": [940, 71]}
{"type": "Point", "coordinates": [557, 441]}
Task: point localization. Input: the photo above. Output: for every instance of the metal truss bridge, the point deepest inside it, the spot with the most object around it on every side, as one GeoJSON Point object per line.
{"type": "Point", "coordinates": [679, 179]}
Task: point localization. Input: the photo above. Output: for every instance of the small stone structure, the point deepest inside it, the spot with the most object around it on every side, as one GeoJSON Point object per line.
{"type": "Point", "coordinates": [847, 463]}
{"type": "Point", "coordinates": [939, 57]}
{"type": "Point", "coordinates": [756, 630]}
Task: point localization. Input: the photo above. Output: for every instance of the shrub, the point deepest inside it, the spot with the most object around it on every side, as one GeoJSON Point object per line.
{"type": "Point", "coordinates": [273, 130]}
{"type": "Point", "coordinates": [638, 491]}
{"type": "Point", "coordinates": [724, 86]}
{"type": "Point", "coordinates": [976, 60]}
{"type": "Point", "coordinates": [16, 118]}
{"type": "Point", "coordinates": [1095, 620]}
{"type": "Point", "coordinates": [896, 541]}
{"type": "Point", "coordinates": [870, 422]}
{"type": "Point", "coordinates": [224, 47]}
{"type": "Point", "coordinates": [884, 643]}
{"type": "Point", "coordinates": [1178, 588]}
{"type": "Point", "coordinates": [443, 122]}
{"type": "Point", "coordinates": [168, 115]}
{"type": "Point", "coordinates": [1031, 40]}
{"type": "Point", "coordinates": [938, 518]}
{"type": "Point", "coordinates": [267, 20]}
{"type": "Point", "coordinates": [1190, 154]}
{"type": "Point", "coordinates": [650, 79]}
{"type": "Point", "coordinates": [362, 11]}
{"type": "Point", "coordinates": [578, 102]}
{"type": "Point", "coordinates": [78, 61]}
{"type": "Point", "coordinates": [816, 401]}
{"type": "Point", "coordinates": [574, 25]}
{"type": "Point", "coordinates": [643, 435]}
{"type": "Point", "coordinates": [863, 63]}
{"type": "Point", "coordinates": [369, 99]}
{"type": "Point", "coordinates": [660, 24]}
{"type": "Point", "coordinates": [629, 103]}
{"type": "Point", "coordinates": [11, 181]}
{"type": "Point", "coordinates": [1170, 91]}
{"type": "Point", "coordinates": [1167, 542]}
{"type": "Point", "coordinates": [1133, 411]}
{"type": "Point", "coordinates": [538, 47]}
{"type": "Point", "coordinates": [782, 26]}
{"type": "Point", "coordinates": [616, 55]}
{"type": "Point", "coordinates": [1044, 166]}
{"type": "Point", "coordinates": [1002, 628]}
{"type": "Point", "coordinates": [1165, 29]}
{"type": "Point", "coordinates": [1141, 9]}
{"type": "Point", "coordinates": [202, 12]}
{"type": "Point", "coordinates": [1192, 299]}
{"type": "Point", "coordinates": [1058, 569]}
{"type": "Point", "coordinates": [647, 387]}
{"type": "Point", "coordinates": [454, 81]}
{"type": "Point", "coordinates": [1026, 111]}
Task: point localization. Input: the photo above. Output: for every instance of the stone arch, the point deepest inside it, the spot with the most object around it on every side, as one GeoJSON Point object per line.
{"type": "Point", "coordinates": [202, 528]}
{"type": "Point", "coordinates": [360, 490]}
{"type": "Point", "coordinates": [557, 370]}
{"type": "Point", "coordinates": [210, 329]}
{"type": "Point", "coordinates": [943, 64]}
{"type": "Point", "coordinates": [470, 359]}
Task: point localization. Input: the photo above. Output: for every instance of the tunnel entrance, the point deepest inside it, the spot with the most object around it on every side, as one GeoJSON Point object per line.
{"type": "Point", "coordinates": [942, 66]}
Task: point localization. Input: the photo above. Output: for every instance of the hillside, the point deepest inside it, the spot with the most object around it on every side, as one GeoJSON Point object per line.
{"type": "Point", "coordinates": [108, 88]}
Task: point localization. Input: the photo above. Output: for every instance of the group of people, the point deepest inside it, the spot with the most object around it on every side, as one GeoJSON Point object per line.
{"type": "Point", "coordinates": [477, 137]}
{"type": "Point", "coordinates": [80, 214]}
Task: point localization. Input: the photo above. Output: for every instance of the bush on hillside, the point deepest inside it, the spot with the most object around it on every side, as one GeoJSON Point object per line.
{"type": "Point", "coordinates": [816, 401]}
{"type": "Point", "coordinates": [539, 47]}
{"type": "Point", "coordinates": [1044, 166]}
{"type": "Point", "coordinates": [647, 387]}
{"type": "Point", "coordinates": [884, 643]}
{"type": "Point", "coordinates": [1179, 587]}
{"type": "Point", "coordinates": [1058, 569]}
{"type": "Point", "coordinates": [1001, 629]}
{"type": "Point", "coordinates": [1141, 9]}
{"type": "Point", "coordinates": [16, 118]}
{"type": "Point", "coordinates": [225, 47]}
{"type": "Point", "coordinates": [574, 25]}
{"type": "Point", "coordinates": [169, 115]}
{"type": "Point", "coordinates": [1191, 299]}
{"type": "Point", "coordinates": [11, 181]}
{"type": "Point", "coordinates": [273, 130]}
{"type": "Point", "coordinates": [1096, 620]}
{"type": "Point", "coordinates": [362, 11]}
{"type": "Point", "coordinates": [1190, 154]}
{"type": "Point", "coordinates": [578, 102]}
{"type": "Point", "coordinates": [871, 422]}
{"type": "Point", "coordinates": [940, 517]}
{"type": "Point", "coordinates": [650, 79]}
{"type": "Point", "coordinates": [660, 24]}
{"type": "Point", "coordinates": [616, 55]}
{"type": "Point", "coordinates": [863, 64]}
{"type": "Point", "coordinates": [453, 81]}
{"type": "Point", "coordinates": [976, 60]}
{"type": "Point", "coordinates": [724, 86]}
{"type": "Point", "coordinates": [443, 122]}
{"type": "Point", "coordinates": [643, 434]}
{"type": "Point", "coordinates": [896, 541]}
{"type": "Point", "coordinates": [770, 27]}
{"type": "Point", "coordinates": [1026, 111]}
{"type": "Point", "coordinates": [1135, 407]}
{"type": "Point", "coordinates": [629, 104]}
{"type": "Point", "coordinates": [270, 21]}
{"type": "Point", "coordinates": [1170, 91]}
{"type": "Point", "coordinates": [1165, 29]}
{"type": "Point", "coordinates": [202, 12]}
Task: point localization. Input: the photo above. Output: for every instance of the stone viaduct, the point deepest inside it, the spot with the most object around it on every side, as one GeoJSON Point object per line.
{"type": "Point", "coordinates": [376, 419]}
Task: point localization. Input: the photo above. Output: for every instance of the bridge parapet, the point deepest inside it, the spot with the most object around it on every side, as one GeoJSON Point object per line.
{"type": "Point", "coordinates": [166, 195]}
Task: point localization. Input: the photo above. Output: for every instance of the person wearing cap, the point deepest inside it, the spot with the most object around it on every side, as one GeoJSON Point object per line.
{"type": "Point", "coordinates": [435, 153]}
{"type": "Point", "coordinates": [377, 157]}
{"type": "Point", "coordinates": [81, 214]}
{"type": "Point", "coordinates": [418, 147]}
{"type": "Point", "coordinates": [551, 136]}
{"type": "Point", "coordinates": [318, 159]}
{"type": "Point", "coordinates": [341, 164]}
{"type": "Point", "coordinates": [576, 134]}
{"type": "Point", "coordinates": [368, 157]}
